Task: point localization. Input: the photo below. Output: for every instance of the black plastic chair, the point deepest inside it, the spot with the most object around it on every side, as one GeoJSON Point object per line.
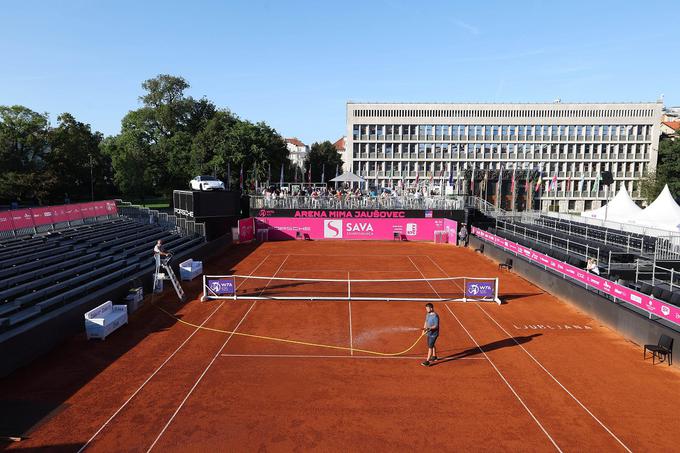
{"type": "Point", "coordinates": [656, 292]}
{"type": "Point", "coordinates": [675, 299]}
{"type": "Point", "coordinates": [507, 265]}
{"type": "Point", "coordinates": [480, 249]}
{"type": "Point", "coordinates": [646, 288]}
{"type": "Point", "coordinates": [666, 295]}
{"type": "Point", "coordinates": [661, 350]}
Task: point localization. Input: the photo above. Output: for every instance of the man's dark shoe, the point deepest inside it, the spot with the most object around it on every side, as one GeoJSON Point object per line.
{"type": "Point", "coordinates": [425, 363]}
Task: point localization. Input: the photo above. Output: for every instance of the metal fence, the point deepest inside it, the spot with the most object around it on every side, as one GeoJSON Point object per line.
{"type": "Point", "coordinates": [363, 202]}
{"type": "Point", "coordinates": [569, 246]}
{"type": "Point", "coordinates": [166, 221]}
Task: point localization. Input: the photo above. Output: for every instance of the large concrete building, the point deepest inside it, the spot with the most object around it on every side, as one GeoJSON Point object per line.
{"type": "Point", "coordinates": [562, 149]}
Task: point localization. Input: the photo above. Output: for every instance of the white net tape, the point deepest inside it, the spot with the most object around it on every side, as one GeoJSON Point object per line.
{"type": "Point", "coordinates": [440, 289]}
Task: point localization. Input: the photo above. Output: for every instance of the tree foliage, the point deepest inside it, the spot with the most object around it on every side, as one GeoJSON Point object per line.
{"type": "Point", "coordinates": [323, 158]}
{"type": "Point", "coordinates": [174, 137]}
{"type": "Point", "coordinates": [667, 171]}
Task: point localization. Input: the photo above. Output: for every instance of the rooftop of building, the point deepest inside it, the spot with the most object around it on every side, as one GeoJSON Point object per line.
{"type": "Point", "coordinates": [295, 141]}
{"type": "Point", "coordinates": [675, 125]}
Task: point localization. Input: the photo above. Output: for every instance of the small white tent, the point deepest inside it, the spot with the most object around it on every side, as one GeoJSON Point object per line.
{"type": "Point", "coordinates": [663, 213]}
{"type": "Point", "coordinates": [348, 177]}
{"type": "Point", "coordinates": [619, 209]}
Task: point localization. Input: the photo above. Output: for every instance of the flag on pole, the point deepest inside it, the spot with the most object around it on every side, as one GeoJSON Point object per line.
{"type": "Point", "coordinates": [553, 183]}
{"type": "Point", "coordinates": [472, 181]}
{"type": "Point", "coordinates": [580, 183]}
{"type": "Point", "coordinates": [309, 173]}
{"type": "Point", "coordinates": [568, 183]}
{"type": "Point", "coordinates": [512, 183]}
{"type": "Point", "coordinates": [596, 186]}
{"type": "Point", "coordinates": [269, 173]}
{"type": "Point", "coordinates": [450, 174]}
{"type": "Point", "coordinates": [336, 171]}
{"type": "Point", "coordinates": [240, 178]}
{"type": "Point", "coordinates": [539, 181]}
{"type": "Point", "coordinates": [281, 177]}
{"type": "Point", "coordinates": [323, 173]}
{"type": "Point", "coordinates": [228, 175]}
{"type": "Point", "coordinates": [527, 183]}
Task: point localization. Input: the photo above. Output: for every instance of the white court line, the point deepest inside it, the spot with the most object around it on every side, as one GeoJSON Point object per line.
{"type": "Point", "coordinates": [303, 356]}
{"type": "Point", "coordinates": [354, 269]}
{"type": "Point", "coordinates": [200, 378]}
{"type": "Point", "coordinates": [423, 275]}
{"type": "Point", "coordinates": [446, 274]}
{"type": "Point", "coordinates": [158, 369]}
{"type": "Point", "coordinates": [556, 380]}
{"type": "Point", "coordinates": [342, 256]}
{"type": "Point", "coordinates": [505, 380]}
{"type": "Point", "coordinates": [349, 304]}
{"type": "Point", "coordinates": [546, 370]}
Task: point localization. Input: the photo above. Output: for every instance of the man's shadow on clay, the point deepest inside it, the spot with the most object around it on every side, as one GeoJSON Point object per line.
{"type": "Point", "coordinates": [500, 344]}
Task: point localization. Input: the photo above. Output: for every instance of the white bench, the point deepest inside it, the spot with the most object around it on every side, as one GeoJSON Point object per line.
{"type": "Point", "coordinates": [101, 321]}
{"type": "Point", "coordinates": [190, 269]}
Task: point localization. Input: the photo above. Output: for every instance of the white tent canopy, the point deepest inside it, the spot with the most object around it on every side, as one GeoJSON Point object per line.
{"type": "Point", "coordinates": [620, 209]}
{"type": "Point", "coordinates": [663, 213]}
{"type": "Point", "coordinates": [348, 177]}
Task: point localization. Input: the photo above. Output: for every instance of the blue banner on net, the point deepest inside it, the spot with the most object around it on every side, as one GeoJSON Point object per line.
{"type": "Point", "coordinates": [479, 289]}
{"type": "Point", "coordinates": [221, 286]}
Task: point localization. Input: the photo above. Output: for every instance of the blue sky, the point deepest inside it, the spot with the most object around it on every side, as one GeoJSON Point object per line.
{"type": "Point", "coordinates": [295, 64]}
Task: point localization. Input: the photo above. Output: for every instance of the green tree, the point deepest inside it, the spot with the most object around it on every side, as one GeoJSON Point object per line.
{"type": "Point", "coordinates": [23, 147]}
{"type": "Point", "coordinates": [160, 134]}
{"type": "Point", "coordinates": [668, 166]}
{"type": "Point", "coordinates": [228, 142]}
{"type": "Point", "coordinates": [323, 157]}
{"type": "Point", "coordinates": [75, 157]}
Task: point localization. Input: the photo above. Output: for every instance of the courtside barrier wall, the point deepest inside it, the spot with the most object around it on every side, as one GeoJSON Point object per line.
{"type": "Point", "coordinates": [383, 229]}
{"type": "Point", "coordinates": [21, 219]}
{"type": "Point", "coordinates": [642, 301]}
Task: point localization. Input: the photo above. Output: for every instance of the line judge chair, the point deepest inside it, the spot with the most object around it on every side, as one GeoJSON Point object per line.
{"type": "Point", "coordinates": [506, 265]}
{"type": "Point", "coordinates": [661, 350]}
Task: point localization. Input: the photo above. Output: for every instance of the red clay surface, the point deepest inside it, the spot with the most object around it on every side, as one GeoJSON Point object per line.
{"type": "Point", "coordinates": [533, 374]}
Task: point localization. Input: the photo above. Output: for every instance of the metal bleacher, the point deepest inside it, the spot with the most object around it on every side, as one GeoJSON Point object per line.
{"type": "Point", "coordinates": [635, 259]}
{"type": "Point", "coordinates": [44, 271]}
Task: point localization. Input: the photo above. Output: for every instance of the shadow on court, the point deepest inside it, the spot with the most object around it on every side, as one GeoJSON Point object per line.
{"type": "Point", "coordinates": [500, 344]}
{"type": "Point", "coordinates": [508, 297]}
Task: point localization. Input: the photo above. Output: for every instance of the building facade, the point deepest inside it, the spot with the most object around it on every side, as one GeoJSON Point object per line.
{"type": "Point", "coordinates": [297, 151]}
{"type": "Point", "coordinates": [548, 156]}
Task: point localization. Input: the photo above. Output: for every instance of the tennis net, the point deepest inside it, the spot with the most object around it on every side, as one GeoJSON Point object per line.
{"type": "Point", "coordinates": [407, 289]}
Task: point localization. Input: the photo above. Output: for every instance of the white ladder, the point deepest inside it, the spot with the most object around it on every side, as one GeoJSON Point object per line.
{"type": "Point", "coordinates": [169, 275]}
{"type": "Point", "coordinates": [175, 283]}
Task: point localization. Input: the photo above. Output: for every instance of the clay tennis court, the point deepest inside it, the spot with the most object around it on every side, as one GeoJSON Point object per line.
{"type": "Point", "coordinates": [532, 374]}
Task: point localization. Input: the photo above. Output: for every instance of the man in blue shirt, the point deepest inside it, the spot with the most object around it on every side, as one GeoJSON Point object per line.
{"type": "Point", "coordinates": [431, 330]}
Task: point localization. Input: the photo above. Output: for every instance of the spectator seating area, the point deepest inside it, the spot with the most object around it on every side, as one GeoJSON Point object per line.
{"type": "Point", "coordinates": [43, 272]}
{"type": "Point", "coordinates": [571, 246]}
{"type": "Point", "coordinates": [625, 240]}
{"type": "Point", "coordinates": [572, 243]}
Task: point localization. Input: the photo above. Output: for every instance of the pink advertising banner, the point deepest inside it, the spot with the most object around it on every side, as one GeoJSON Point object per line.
{"type": "Point", "coordinates": [73, 212]}
{"type": "Point", "coordinates": [59, 213]}
{"type": "Point", "coordinates": [42, 216]}
{"type": "Point", "coordinates": [651, 305]}
{"type": "Point", "coordinates": [28, 218]}
{"type": "Point", "coordinates": [6, 223]}
{"type": "Point", "coordinates": [451, 226]}
{"type": "Point", "coordinates": [281, 228]}
{"type": "Point", "coordinates": [22, 219]}
{"type": "Point", "coordinates": [246, 230]}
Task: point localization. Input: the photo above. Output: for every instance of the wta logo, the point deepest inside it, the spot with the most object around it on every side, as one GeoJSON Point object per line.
{"type": "Point", "coordinates": [332, 229]}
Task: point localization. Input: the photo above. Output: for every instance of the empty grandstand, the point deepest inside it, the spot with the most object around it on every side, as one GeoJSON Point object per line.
{"type": "Point", "coordinates": [52, 273]}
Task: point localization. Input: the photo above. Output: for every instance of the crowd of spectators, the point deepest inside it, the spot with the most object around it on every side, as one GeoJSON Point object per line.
{"type": "Point", "coordinates": [350, 197]}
